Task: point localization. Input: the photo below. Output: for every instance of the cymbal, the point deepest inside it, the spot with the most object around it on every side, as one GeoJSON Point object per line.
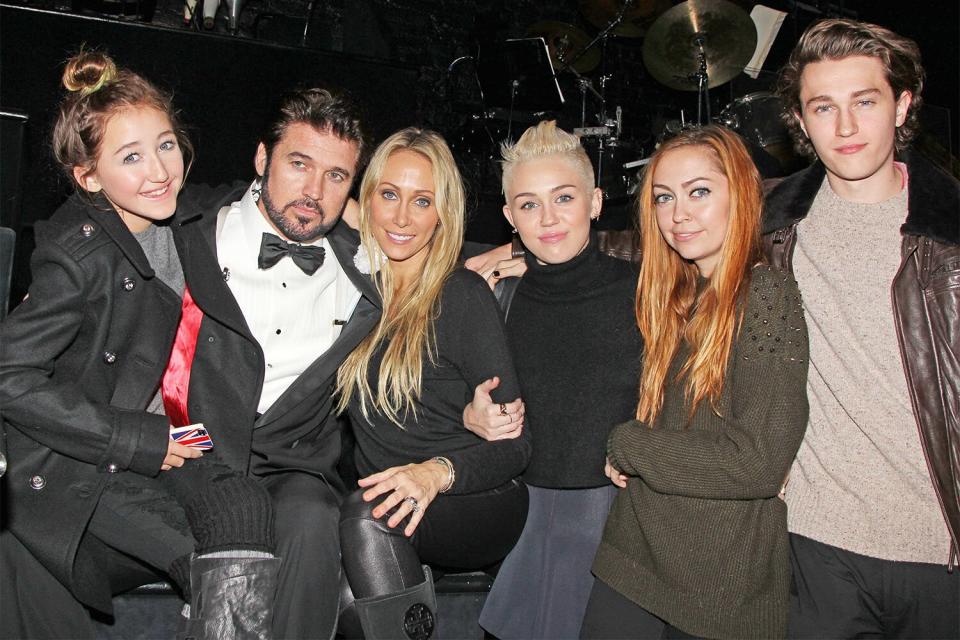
{"type": "Point", "coordinates": [636, 18]}
{"type": "Point", "coordinates": [670, 49]}
{"type": "Point", "coordinates": [565, 42]}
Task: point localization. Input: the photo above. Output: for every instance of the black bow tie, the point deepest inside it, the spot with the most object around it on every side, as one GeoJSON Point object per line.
{"type": "Point", "coordinates": [273, 248]}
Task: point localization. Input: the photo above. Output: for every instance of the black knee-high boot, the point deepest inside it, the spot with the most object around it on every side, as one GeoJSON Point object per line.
{"type": "Point", "coordinates": [232, 598]}
{"type": "Point", "coordinates": [394, 596]}
{"type": "Point", "coordinates": [409, 613]}
{"type": "Point", "coordinates": [233, 576]}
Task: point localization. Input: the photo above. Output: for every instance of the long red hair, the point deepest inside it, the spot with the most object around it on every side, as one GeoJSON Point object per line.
{"type": "Point", "coordinates": [668, 308]}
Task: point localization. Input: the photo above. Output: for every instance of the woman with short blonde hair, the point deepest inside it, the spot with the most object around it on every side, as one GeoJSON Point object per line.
{"type": "Point", "coordinates": [575, 341]}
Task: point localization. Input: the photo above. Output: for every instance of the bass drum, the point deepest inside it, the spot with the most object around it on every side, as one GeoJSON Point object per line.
{"type": "Point", "coordinates": [756, 117]}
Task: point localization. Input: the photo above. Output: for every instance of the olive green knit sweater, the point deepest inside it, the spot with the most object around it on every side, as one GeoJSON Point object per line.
{"type": "Point", "coordinates": [699, 537]}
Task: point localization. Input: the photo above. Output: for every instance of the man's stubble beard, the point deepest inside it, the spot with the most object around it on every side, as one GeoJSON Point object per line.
{"type": "Point", "coordinates": [296, 229]}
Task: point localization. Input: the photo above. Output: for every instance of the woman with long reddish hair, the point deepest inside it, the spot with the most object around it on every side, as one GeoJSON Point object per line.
{"type": "Point", "coordinates": [697, 543]}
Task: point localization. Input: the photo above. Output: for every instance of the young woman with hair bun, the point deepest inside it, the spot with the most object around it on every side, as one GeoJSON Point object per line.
{"type": "Point", "coordinates": [97, 490]}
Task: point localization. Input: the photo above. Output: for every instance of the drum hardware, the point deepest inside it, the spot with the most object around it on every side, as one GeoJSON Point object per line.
{"type": "Point", "coordinates": [635, 14]}
{"type": "Point", "coordinates": [506, 74]}
{"type": "Point", "coordinates": [571, 50]}
{"type": "Point", "coordinates": [757, 118]}
{"type": "Point", "coordinates": [518, 75]}
{"type": "Point", "coordinates": [605, 32]}
{"type": "Point", "coordinates": [603, 140]}
{"type": "Point", "coordinates": [699, 45]}
{"type": "Point", "coordinates": [593, 132]}
{"type": "Point", "coordinates": [569, 47]}
{"type": "Point", "coordinates": [637, 163]}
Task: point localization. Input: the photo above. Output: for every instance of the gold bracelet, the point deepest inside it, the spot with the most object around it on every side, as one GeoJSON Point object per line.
{"type": "Point", "coordinates": [451, 473]}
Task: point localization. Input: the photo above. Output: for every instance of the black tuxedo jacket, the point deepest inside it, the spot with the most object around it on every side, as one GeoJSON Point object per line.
{"type": "Point", "coordinates": [300, 431]}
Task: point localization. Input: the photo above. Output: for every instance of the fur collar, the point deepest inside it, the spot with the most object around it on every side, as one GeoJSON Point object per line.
{"type": "Point", "coordinates": [933, 208]}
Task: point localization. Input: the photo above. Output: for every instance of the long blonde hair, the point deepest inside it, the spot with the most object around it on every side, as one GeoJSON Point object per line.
{"type": "Point", "coordinates": [668, 310]}
{"type": "Point", "coordinates": [409, 315]}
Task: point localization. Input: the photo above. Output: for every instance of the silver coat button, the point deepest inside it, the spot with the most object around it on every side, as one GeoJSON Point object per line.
{"type": "Point", "coordinates": [113, 467]}
{"type": "Point", "coordinates": [109, 357]}
{"type": "Point", "coordinates": [129, 284]}
{"type": "Point", "coordinates": [38, 482]}
{"type": "Point", "coordinates": [3, 465]}
{"type": "Point", "coordinates": [87, 229]}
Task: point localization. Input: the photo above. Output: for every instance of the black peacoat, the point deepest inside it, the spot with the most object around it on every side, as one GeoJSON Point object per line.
{"type": "Point", "coordinates": [80, 358]}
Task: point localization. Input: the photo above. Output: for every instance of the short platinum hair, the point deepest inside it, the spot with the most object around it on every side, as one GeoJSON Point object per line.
{"type": "Point", "coordinates": [541, 140]}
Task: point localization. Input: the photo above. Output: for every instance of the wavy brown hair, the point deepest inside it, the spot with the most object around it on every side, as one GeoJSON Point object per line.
{"type": "Point", "coordinates": [668, 309]}
{"type": "Point", "coordinates": [407, 323]}
{"type": "Point", "coordinates": [836, 39]}
{"type": "Point", "coordinates": [98, 90]}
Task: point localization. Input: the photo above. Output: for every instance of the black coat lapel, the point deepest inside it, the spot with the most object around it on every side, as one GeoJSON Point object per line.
{"type": "Point", "coordinates": [122, 236]}
{"type": "Point", "coordinates": [197, 247]}
{"type": "Point", "coordinates": [342, 241]}
{"type": "Point", "coordinates": [790, 200]}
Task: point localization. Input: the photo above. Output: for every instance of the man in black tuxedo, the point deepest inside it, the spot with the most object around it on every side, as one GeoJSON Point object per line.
{"type": "Point", "coordinates": [270, 332]}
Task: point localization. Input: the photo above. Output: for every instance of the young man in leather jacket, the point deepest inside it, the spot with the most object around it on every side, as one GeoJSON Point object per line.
{"type": "Point", "coordinates": [871, 232]}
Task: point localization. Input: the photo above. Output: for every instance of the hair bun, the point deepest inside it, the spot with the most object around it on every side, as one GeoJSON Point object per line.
{"type": "Point", "coordinates": [88, 71]}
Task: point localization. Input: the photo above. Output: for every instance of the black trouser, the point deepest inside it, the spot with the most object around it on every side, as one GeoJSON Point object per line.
{"type": "Point", "coordinates": [308, 544]}
{"type": "Point", "coordinates": [840, 594]}
{"type": "Point", "coordinates": [203, 506]}
{"type": "Point", "coordinates": [460, 532]}
{"type": "Point", "coordinates": [138, 517]}
{"type": "Point", "coordinates": [611, 616]}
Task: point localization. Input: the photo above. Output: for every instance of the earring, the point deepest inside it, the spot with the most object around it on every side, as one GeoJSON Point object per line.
{"type": "Point", "coordinates": [255, 191]}
{"type": "Point", "coordinates": [513, 230]}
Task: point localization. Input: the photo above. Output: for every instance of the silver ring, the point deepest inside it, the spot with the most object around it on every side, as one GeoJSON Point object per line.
{"type": "Point", "coordinates": [503, 409]}
{"type": "Point", "coordinates": [414, 503]}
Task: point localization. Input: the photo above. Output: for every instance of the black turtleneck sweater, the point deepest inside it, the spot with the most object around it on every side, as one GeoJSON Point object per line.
{"type": "Point", "coordinates": [576, 346]}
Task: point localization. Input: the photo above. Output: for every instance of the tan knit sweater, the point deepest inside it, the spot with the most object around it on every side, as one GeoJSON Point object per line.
{"type": "Point", "coordinates": [860, 481]}
{"type": "Point", "coordinates": [699, 537]}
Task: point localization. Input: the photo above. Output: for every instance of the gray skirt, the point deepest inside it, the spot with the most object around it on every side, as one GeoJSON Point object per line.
{"type": "Point", "coordinates": [542, 588]}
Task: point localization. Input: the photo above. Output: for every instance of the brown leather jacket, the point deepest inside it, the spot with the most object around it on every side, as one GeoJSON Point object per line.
{"type": "Point", "coordinates": [925, 295]}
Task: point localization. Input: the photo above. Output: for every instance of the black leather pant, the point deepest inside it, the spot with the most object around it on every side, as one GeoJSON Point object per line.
{"type": "Point", "coordinates": [458, 532]}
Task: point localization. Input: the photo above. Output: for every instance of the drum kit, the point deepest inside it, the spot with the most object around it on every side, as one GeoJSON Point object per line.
{"type": "Point", "coordinates": [694, 46]}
